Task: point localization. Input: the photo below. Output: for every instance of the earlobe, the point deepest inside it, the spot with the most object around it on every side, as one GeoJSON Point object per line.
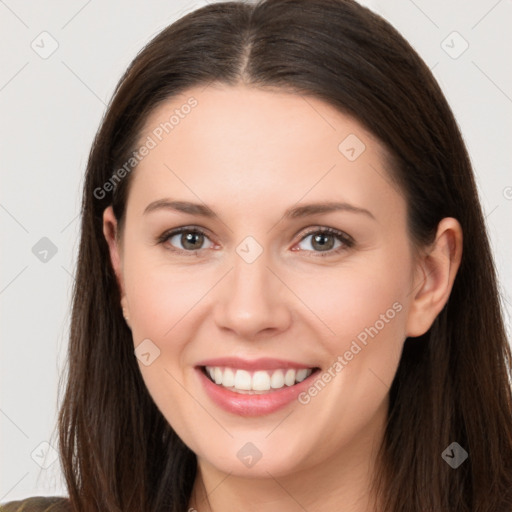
{"type": "Point", "coordinates": [124, 307]}
{"type": "Point", "coordinates": [437, 269]}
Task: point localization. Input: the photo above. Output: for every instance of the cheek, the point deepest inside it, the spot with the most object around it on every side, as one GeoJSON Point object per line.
{"type": "Point", "coordinates": [160, 295]}
{"type": "Point", "coordinates": [360, 302]}
{"type": "Point", "coordinates": [365, 310]}
{"type": "Point", "coordinates": [161, 299]}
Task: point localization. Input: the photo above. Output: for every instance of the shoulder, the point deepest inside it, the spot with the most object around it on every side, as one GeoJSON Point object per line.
{"type": "Point", "coordinates": [38, 504]}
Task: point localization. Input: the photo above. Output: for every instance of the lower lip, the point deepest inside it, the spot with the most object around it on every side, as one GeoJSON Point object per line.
{"type": "Point", "coordinates": [252, 405]}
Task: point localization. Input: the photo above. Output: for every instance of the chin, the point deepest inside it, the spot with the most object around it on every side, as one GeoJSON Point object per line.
{"type": "Point", "coordinates": [255, 459]}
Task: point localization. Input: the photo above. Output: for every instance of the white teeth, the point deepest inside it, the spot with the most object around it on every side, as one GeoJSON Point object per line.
{"type": "Point", "coordinates": [277, 379]}
{"type": "Point", "coordinates": [242, 380]}
{"type": "Point", "coordinates": [228, 378]}
{"type": "Point", "coordinates": [260, 380]}
{"type": "Point", "coordinates": [289, 377]}
{"type": "Point", "coordinates": [301, 375]}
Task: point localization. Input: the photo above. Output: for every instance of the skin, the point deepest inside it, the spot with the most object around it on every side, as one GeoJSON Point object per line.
{"type": "Point", "coordinates": [249, 154]}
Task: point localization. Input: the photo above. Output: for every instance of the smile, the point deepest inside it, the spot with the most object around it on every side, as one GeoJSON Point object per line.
{"type": "Point", "coordinates": [254, 387]}
{"type": "Point", "coordinates": [260, 381]}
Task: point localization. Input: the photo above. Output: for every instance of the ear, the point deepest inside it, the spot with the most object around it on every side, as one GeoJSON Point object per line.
{"type": "Point", "coordinates": [111, 233]}
{"type": "Point", "coordinates": [435, 274]}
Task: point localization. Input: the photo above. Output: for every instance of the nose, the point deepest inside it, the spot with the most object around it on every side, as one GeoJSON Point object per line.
{"type": "Point", "coordinates": [252, 300]}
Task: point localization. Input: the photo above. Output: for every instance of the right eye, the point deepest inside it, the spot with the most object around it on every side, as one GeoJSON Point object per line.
{"type": "Point", "coordinates": [191, 240]}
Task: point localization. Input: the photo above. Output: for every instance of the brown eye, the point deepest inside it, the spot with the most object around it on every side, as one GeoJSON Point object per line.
{"type": "Point", "coordinates": [185, 239]}
{"type": "Point", "coordinates": [324, 241]}
{"type": "Point", "coordinates": [191, 241]}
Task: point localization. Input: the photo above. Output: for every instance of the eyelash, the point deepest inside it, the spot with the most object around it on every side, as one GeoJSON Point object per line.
{"type": "Point", "coordinates": [347, 241]}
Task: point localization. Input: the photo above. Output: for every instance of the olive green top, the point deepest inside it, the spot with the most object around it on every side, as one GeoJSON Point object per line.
{"type": "Point", "coordinates": [38, 504]}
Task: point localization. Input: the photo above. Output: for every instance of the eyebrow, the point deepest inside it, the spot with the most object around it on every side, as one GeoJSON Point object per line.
{"type": "Point", "coordinates": [291, 213]}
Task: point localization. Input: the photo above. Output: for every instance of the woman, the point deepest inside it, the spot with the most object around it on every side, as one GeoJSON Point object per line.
{"type": "Point", "coordinates": [285, 296]}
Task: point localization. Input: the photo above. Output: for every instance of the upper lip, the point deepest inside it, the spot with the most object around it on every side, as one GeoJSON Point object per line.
{"type": "Point", "coordinates": [263, 363]}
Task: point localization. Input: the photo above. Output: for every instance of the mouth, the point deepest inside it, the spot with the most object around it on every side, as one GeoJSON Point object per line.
{"type": "Point", "coordinates": [256, 382]}
{"type": "Point", "coordinates": [254, 388]}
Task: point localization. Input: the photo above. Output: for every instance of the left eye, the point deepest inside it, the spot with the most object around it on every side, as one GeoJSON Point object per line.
{"type": "Point", "coordinates": [325, 240]}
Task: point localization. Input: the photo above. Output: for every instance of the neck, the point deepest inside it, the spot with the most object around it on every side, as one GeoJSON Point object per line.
{"type": "Point", "coordinates": [340, 483]}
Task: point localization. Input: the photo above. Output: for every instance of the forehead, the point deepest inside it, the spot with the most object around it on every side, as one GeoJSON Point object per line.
{"type": "Point", "coordinates": [265, 121]}
{"type": "Point", "coordinates": [248, 144]}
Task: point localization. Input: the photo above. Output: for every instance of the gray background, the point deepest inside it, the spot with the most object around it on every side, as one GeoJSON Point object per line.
{"type": "Point", "coordinates": [51, 106]}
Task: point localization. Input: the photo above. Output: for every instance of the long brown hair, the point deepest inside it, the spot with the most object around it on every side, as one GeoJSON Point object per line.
{"type": "Point", "coordinates": [452, 385]}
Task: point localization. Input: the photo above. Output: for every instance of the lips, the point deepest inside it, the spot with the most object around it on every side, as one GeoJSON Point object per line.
{"type": "Point", "coordinates": [252, 388]}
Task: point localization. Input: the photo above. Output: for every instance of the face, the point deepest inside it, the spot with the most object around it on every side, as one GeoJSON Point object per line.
{"type": "Point", "coordinates": [299, 314]}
